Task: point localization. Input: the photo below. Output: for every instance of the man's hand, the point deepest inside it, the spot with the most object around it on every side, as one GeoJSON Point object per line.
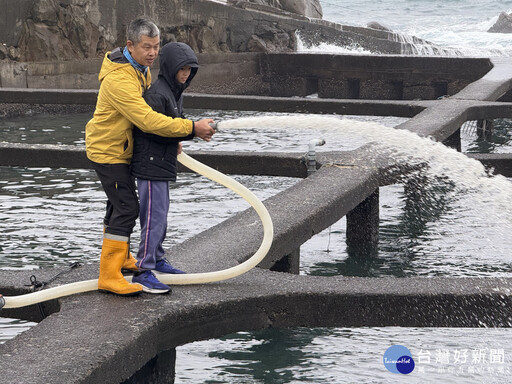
{"type": "Point", "coordinates": [180, 148]}
{"type": "Point", "coordinates": [203, 129]}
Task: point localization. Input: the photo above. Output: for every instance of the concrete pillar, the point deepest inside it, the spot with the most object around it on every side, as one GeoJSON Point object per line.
{"type": "Point", "coordinates": [289, 263]}
{"type": "Point", "coordinates": [363, 223]}
{"type": "Point", "coordinates": [159, 370]}
{"type": "Point", "coordinates": [454, 141]}
{"type": "Point", "coordinates": [484, 128]}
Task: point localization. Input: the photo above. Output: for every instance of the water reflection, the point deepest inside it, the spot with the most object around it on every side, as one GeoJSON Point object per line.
{"type": "Point", "coordinates": [10, 328]}
{"type": "Point", "coordinates": [45, 129]}
{"type": "Point", "coordinates": [497, 140]}
{"type": "Point", "coordinates": [347, 355]}
{"type": "Point", "coordinates": [445, 237]}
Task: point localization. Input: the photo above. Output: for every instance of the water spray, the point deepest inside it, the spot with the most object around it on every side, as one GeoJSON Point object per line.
{"type": "Point", "coordinates": [185, 279]}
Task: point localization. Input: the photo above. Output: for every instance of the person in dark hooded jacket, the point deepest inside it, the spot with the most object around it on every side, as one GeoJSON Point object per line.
{"type": "Point", "coordinates": [154, 163]}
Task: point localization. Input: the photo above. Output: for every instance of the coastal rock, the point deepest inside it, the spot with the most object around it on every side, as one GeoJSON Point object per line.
{"type": "Point", "coordinates": [377, 25]}
{"type": "Point", "coordinates": [57, 30]}
{"type": "Point", "coordinates": [3, 51]}
{"type": "Point", "coordinates": [270, 39]}
{"type": "Point", "coordinates": [308, 8]}
{"type": "Point", "coordinates": [11, 53]}
{"type": "Point", "coordinates": [503, 24]}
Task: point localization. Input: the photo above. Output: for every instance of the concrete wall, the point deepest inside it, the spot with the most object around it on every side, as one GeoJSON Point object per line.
{"type": "Point", "coordinates": [338, 76]}
{"type": "Point", "coordinates": [370, 77]}
{"type": "Point", "coordinates": [279, 74]}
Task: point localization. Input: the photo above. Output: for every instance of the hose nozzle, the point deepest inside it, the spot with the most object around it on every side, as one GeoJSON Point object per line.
{"type": "Point", "coordinates": [311, 156]}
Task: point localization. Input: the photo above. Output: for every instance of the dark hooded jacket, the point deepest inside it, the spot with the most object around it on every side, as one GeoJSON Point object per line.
{"type": "Point", "coordinates": [154, 157]}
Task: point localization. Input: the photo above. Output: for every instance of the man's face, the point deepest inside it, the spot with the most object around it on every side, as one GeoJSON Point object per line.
{"type": "Point", "coordinates": [183, 74]}
{"type": "Point", "coordinates": [145, 51]}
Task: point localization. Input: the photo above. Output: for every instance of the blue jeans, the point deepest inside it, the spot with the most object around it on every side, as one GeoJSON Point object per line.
{"type": "Point", "coordinates": [154, 206]}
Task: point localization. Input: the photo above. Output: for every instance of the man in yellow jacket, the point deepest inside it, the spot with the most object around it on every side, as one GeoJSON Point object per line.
{"type": "Point", "coordinates": [124, 77]}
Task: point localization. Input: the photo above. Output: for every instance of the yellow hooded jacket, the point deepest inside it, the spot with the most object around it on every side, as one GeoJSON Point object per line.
{"type": "Point", "coordinates": [120, 105]}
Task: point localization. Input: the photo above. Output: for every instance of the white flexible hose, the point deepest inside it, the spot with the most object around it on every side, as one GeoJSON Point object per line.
{"type": "Point", "coordinates": [182, 279]}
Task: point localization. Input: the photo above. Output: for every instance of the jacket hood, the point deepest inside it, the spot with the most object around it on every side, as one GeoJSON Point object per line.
{"type": "Point", "coordinates": [113, 61]}
{"type": "Point", "coordinates": [173, 57]}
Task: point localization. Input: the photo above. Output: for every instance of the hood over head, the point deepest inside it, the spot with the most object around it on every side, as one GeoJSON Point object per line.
{"type": "Point", "coordinates": [173, 57]}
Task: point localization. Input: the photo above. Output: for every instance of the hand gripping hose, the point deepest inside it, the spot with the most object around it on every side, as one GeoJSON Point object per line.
{"type": "Point", "coordinates": [184, 279]}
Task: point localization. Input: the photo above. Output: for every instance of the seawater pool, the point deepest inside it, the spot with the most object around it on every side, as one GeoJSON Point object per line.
{"type": "Point", "coordinates": [445, 237]}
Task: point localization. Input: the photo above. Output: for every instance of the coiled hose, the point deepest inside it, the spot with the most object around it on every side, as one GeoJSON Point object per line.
{"type": "Point", "coordinates": [183, 279]}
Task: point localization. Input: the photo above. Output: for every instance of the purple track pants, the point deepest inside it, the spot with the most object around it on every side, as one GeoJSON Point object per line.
{"type": "Point", "coordinates": [154, 206]}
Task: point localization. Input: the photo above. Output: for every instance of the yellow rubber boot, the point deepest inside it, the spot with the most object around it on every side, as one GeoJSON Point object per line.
{"type": "Point", "coordinates": [130, 263]}
{"type": "Point", "coordinates": [113, 256]}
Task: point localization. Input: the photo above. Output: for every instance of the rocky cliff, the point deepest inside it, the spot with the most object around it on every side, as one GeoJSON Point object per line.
{"type": "Point", "coordinates": [60, 43]}
{"type": "Point", "coordinates": [79, 29]}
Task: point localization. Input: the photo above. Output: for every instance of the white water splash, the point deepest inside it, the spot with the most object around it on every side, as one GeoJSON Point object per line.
{"type": "Point", "coordinates": [469, 176]}
{"type": "Point", "coordinates": [353, 49]}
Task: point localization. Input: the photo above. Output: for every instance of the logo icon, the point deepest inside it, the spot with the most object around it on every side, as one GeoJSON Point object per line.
{"type": "Point", "coordinates": [398, 359]}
